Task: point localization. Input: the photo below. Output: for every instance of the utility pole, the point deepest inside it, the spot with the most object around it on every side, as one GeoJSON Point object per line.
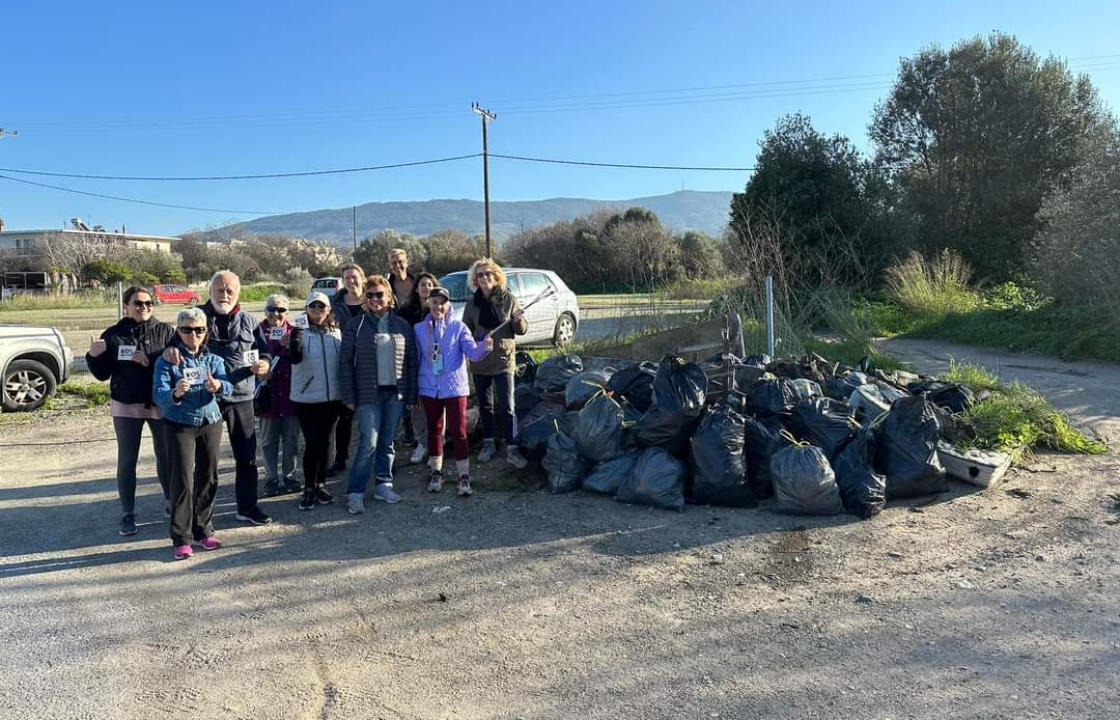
{"type": "Point", "coordinates": [487, 116]}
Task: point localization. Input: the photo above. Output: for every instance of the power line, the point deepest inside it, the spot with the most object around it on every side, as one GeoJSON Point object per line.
{"type": "Point", "coordinates": [140, 202]}
{"type": "Point", "coordinates": [257, 176]}
{"type": "Point", "coordinates": [620, 165]}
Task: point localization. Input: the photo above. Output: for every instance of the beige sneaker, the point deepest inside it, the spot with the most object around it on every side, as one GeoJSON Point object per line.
{"type": "Point", "coordinates": [465, 489]}
{"type": "Point", "coordinates": [435, 483]}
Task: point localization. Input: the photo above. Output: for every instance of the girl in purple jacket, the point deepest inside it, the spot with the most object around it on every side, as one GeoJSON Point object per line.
{"type": "Point", "coordinates": [445, 345]}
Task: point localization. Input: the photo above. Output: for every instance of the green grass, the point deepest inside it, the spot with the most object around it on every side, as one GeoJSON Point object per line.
{"type": "Point", "coordinates": [95, 394]}
{"type": "Point", "coordinates": [81, 300]}
{"type": "Point", "coordinates": [1015, 418]}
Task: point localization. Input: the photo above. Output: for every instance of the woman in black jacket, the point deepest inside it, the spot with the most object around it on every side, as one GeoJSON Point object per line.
{"type": "Point", "coordinates": [125, 355]}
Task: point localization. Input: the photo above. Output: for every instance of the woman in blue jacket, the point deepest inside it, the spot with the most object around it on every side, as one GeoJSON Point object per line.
{"type": "Point", "coordinates": [445, 345]}
{"type": "Point", "coordinates": [188, 393]}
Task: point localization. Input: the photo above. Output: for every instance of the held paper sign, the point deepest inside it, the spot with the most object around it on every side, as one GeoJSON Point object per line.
{"type": "Point", "coordinates": [193, 375]}
{"type": "Point", "coordinates": [250, 356]}
{"type": "Point", "coordinates": [301, 321]}
{"type": "Point", "coordinates": [125, 352]}
{"type": "Point", "coordinates": [276, 333]}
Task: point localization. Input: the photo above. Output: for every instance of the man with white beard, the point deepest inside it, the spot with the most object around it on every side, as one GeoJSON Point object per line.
{"type": "Point", "coordinates": [234, 337]}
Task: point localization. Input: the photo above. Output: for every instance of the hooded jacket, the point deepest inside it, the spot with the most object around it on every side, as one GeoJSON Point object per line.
{"type": "Point", "coordinates": [503, 304]}
{"type": "Point", "coordinates": [357, 364]}
{"type": "Point", "coordinates": [315, 365]}
{"type": "Point", "coordinates": [230, 337]}
{"type": "Point", "coordinates": [456, 346]}
{"type": "Point", "coordinates": [198, 406]}
{"type": "Point", "coordinates": [130, 382]}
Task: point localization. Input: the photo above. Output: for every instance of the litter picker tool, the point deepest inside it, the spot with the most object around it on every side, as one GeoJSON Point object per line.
{"type": "Point", "coordinates": [546, 293]}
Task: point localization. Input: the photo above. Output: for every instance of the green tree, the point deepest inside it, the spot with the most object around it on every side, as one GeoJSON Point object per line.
{"type": "Point", "coordinates": [977, 137]}
{"type": "Point", "coordinates": [106, 271]}
{"type": "Point", "coordinates": [700, 256]}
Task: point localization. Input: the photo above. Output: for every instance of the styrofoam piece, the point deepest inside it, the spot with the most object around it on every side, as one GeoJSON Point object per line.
{"type": "Point", "coordinates": [868, 399]}
{"type": "Point", "coordinates": [982, 468]}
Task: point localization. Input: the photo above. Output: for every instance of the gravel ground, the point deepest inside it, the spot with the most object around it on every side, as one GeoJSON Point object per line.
{"type": "Point", "coordinates": [518, 604]}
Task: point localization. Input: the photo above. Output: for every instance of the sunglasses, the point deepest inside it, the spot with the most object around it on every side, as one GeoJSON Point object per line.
{"type": "Point", "coordinates": [317, 306]}
{"type": "Point", "coordinates": [277, 310]}
{"type": "Point", "coordinates": [483, 273]}
{"type": "Point", "coordinates": [195, 330]}
{"type": "Point", "coordinates": [378, 294]}
{"type": "Point", "coordinates": [142, 303]}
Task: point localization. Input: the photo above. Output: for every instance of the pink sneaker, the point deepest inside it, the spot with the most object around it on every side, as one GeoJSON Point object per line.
{"type": "Point", "coordinates": [183, 552]}
{"type": "Point", "coordinates": [210, 543]}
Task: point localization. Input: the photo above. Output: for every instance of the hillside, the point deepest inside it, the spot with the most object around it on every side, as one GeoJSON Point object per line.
{"type": "Point", "coordinates": [683, 210]}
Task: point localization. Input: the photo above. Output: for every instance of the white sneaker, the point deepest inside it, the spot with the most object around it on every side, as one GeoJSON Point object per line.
{"type": "Point", "coordinates": [386, 494]}
{"type": "Point", "coordinates": [489, 449]}
{"type": "Point", "coordinates": [515, 458]}
{"type": "Point", "coordinates": [355, 504]}
{"type": "Point", "coordinates": [419, 455]}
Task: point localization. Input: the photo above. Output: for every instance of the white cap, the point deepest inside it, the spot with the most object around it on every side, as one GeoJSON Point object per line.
{"type": "Point", "coordinates": [316, 296]}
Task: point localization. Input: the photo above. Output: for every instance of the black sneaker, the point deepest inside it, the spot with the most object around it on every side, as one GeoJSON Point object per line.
{"type": "Point", "coordinates": [254, 516]}
{"type": "Point", "coordinates": [322, 496]}
{"type": "Point", "coordinates": [291, 486]}
{"type": "Point", "coordinates": [272, 489]}
{"type": "Point", "coordinates": [128, 525]}
{"type": "Point", "coordinates": [307, 502]}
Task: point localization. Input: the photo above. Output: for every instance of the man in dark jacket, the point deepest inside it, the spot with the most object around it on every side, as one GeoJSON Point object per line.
{"type": "Point", "coordinates": [234, 337]}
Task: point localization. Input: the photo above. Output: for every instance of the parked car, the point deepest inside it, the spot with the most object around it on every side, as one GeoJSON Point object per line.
{"type": "Point", "coordinates": [34, 361]}
{"type": "Point", "coordinates": [327, 285]}
{"type": "Point", "coordinates": [554, 318]}
{"type": "Point", "coordinates": [175, 295]}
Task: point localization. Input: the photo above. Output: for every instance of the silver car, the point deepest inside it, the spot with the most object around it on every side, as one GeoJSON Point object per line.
{"type": "Point", "coordinates": [553, 315]}
{"type": "Point", "coordinates": [34, 361]}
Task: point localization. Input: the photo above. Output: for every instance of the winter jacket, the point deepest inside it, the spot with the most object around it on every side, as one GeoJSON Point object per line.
{"type": "Point", "coordinates": [343, 312]}
{"type": "Point", "coordinates": [502, 359]}
{"type": "Point", "coordinates": [278, 386]}
{"type": "Point", "coordinates": [199, 406]}
{"type": "Point", "coordinates": [456, 346]}
{"type": "Point", "coordinates": [131, 382]}
{"type": "Point", "coordinates": [315, 365]}
{"type": "Point", "coordinates": [357, 364]}
{"type": "Point", "coordinates": [407, 307]}
{"type": "Point", "coordinates": [230, 337]}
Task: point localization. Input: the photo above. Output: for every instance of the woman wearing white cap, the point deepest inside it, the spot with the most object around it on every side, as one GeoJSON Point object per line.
{"type": "Point", "coordinates": [316, 394]}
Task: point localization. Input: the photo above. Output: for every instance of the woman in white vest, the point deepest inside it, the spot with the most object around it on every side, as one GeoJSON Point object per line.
{"type": "Point", "coordinates": [316, 394]}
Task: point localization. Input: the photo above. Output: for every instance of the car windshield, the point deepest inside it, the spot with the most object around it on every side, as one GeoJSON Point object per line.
{"type": "Point", "coordinates": [325, 283]}
{"type": "Point", "coordinates": [456, 284]}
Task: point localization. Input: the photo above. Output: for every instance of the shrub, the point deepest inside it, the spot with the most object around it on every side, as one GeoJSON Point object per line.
{"type": "Point", "coordinates": [932, 290]}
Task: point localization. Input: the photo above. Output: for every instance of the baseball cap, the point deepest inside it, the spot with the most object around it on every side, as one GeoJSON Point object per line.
{"type": "Point", "coordinates": [316, 296]}
{"type": "Point", "coordinates": [439, 292]}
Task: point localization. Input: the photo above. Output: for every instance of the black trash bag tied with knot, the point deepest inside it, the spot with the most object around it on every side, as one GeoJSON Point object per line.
{"type": "Point", "coordinates": [718, 463]}
{"type": "Point", "coordinates": [583, 386]}
{"type": "Point", "coordinates": [862, 490]}
{"type": "Point", "coordinates": [657, 479]}
{"type": "Point", "coordinates": [762, 438]}
{"type": "Point", "coordinates": [563, 464]}
{"type": "Point", "coordinates": [906, 441]}
{"type": "Point", "coordinates": [635, 384]}
{"type": "Point", "coordinates": [804, 483]}
{"type": "Point", "coordinates": [554, 373]}
{"type": "Point", "coordinates": [607, 477]}
{"type": "Point", "coordinates": [599, 433]}
{"type": "Point", "coordinates": [824, 422]}
{"type": "Point", "coordinates": [679, 392]}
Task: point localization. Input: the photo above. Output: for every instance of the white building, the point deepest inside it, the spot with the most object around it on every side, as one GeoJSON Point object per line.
{"type": "Point", "coordinates": [31, 240]}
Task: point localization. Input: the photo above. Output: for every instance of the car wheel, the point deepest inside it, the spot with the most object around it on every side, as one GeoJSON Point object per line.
{"type": "Point", "coordinates": [565, 330]}
{"type": "Point", "coordinates": [192, 302]}
{"type": "Point", "coordinates": [27, 385]}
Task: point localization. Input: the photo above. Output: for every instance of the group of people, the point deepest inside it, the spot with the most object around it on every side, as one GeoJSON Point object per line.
{"type": "Point", "coordinates": [386, 352]}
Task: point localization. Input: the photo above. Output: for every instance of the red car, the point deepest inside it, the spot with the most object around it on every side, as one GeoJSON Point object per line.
{"type": "Point", "coordinates": [175, 295]}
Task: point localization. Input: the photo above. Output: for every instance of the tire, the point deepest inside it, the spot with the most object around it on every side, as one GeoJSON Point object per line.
{"type": "Point", "coordinates": [565, 331]}
{"type": "Point", "coordinates": [192, 302]}
{"type": "Point", "coordinates": [27, 385]}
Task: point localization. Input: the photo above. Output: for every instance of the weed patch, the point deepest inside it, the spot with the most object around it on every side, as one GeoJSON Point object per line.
{"type": "Point", "coordinates": [95, 394]}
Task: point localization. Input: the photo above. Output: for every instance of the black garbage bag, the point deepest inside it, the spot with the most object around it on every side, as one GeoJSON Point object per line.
{"type": "Point", "coordinates": [719, 466]}
{"type": "Point", "coordinates": [954, 397]}
{"type": "Point", "coordinates": [746, 375]}
{"type": "Point", "coordinates": [583, 386]}
{"type": "Point", "coordinates": [526, 370]}
{"type": "Point", "coordinates": [769, 397]}
{"type": "Point", "coordinates": [906, 449]}
{"type": "Point", "coordinates": [679, 391]}
{"type": "Point", "coordinates": [534, 437]}
{"type": "Point", "coordinates": [563, 464]}
{"type": "Point", "coordinates": [525, 398]}
{"type": "Point", "coordinates": [804, 483]}
{"type": "Point", "coordinates": [761, 439]}
{"type": "Point", "coordinates": [656, 479]}
{"type": "Point", "coordinates": [554, 373]}
{"type": "Point", "coordinates": [635, 383]}
{"type": "Point", "coordinates": [607, 477]}
{"type": "Point", "coordinates": [841, 387]}
{"type": "Point", "coordinates": [598, 433]}
{"type": "Point", "coordinates": [823, 422]}
{"type": "Point", "coordinates": [862, 490]}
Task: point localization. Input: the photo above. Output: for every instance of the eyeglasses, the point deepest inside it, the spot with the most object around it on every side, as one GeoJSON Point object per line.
{"type": "Point", "coordinates": [317, 305]}
{"type": "Point", "coordinates": [375, 294]}
{"type": "Point", "coordinates": [142, 303]}
{"type": "Point", "coordinates": [277, 310]}
{"type": "Point", "coordinates": [195, 330]}
{"type": "Point", "coordinates": [484, 273]}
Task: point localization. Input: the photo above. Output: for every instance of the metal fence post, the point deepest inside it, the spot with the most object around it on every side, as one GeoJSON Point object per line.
{"type": "Point", "coordinates": [120, 301]}
{"type": "Point", "coordinates": [770, 315]}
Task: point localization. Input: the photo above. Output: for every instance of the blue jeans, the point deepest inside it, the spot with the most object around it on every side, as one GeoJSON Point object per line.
{"type": "Point", "coordinates": [377, 424]}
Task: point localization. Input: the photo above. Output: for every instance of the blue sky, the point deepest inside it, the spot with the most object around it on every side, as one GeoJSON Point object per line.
{"type": "Point", "coordinates": [209, 88]}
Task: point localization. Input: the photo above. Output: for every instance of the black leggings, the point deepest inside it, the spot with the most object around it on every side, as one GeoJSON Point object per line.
{"type": "Point", "coordinates": [128, 431]}
{"type": "Point", "coordinates": [342, 435]}
{"type": "Point", "coordinates": [317, 420]}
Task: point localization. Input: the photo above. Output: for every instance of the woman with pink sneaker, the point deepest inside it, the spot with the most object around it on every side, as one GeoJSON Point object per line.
{"type": "Point", "coordinates": [445, 345]}
{"type": "Point", "coordinates": [188, 393]}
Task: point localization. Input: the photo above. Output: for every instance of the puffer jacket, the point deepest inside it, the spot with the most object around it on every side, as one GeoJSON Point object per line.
{"type": "Point", "coordinates": [230, 337]}
{"type": "Point", "coordinates": [199, 406]}
{"type": "Point", "coordinates": [456, 346]}
{"type": "Point", "coordinates": [315, 365]}
{"type": "Point", "coordinates": [357, 364]}
{"type": "Point", "coordinates": [503, 358]}
{"type": "Point", "coordinates": [131, 382]}
{"type": "Point", "coordinates": [279, 386]}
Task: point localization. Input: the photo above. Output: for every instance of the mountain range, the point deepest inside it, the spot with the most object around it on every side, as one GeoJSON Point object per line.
{"type": "Point", "coordinates": [678, 211]}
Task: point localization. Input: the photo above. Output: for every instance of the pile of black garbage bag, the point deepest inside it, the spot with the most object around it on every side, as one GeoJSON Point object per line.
{"type": "Point", "coordinates": [801, 435]}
